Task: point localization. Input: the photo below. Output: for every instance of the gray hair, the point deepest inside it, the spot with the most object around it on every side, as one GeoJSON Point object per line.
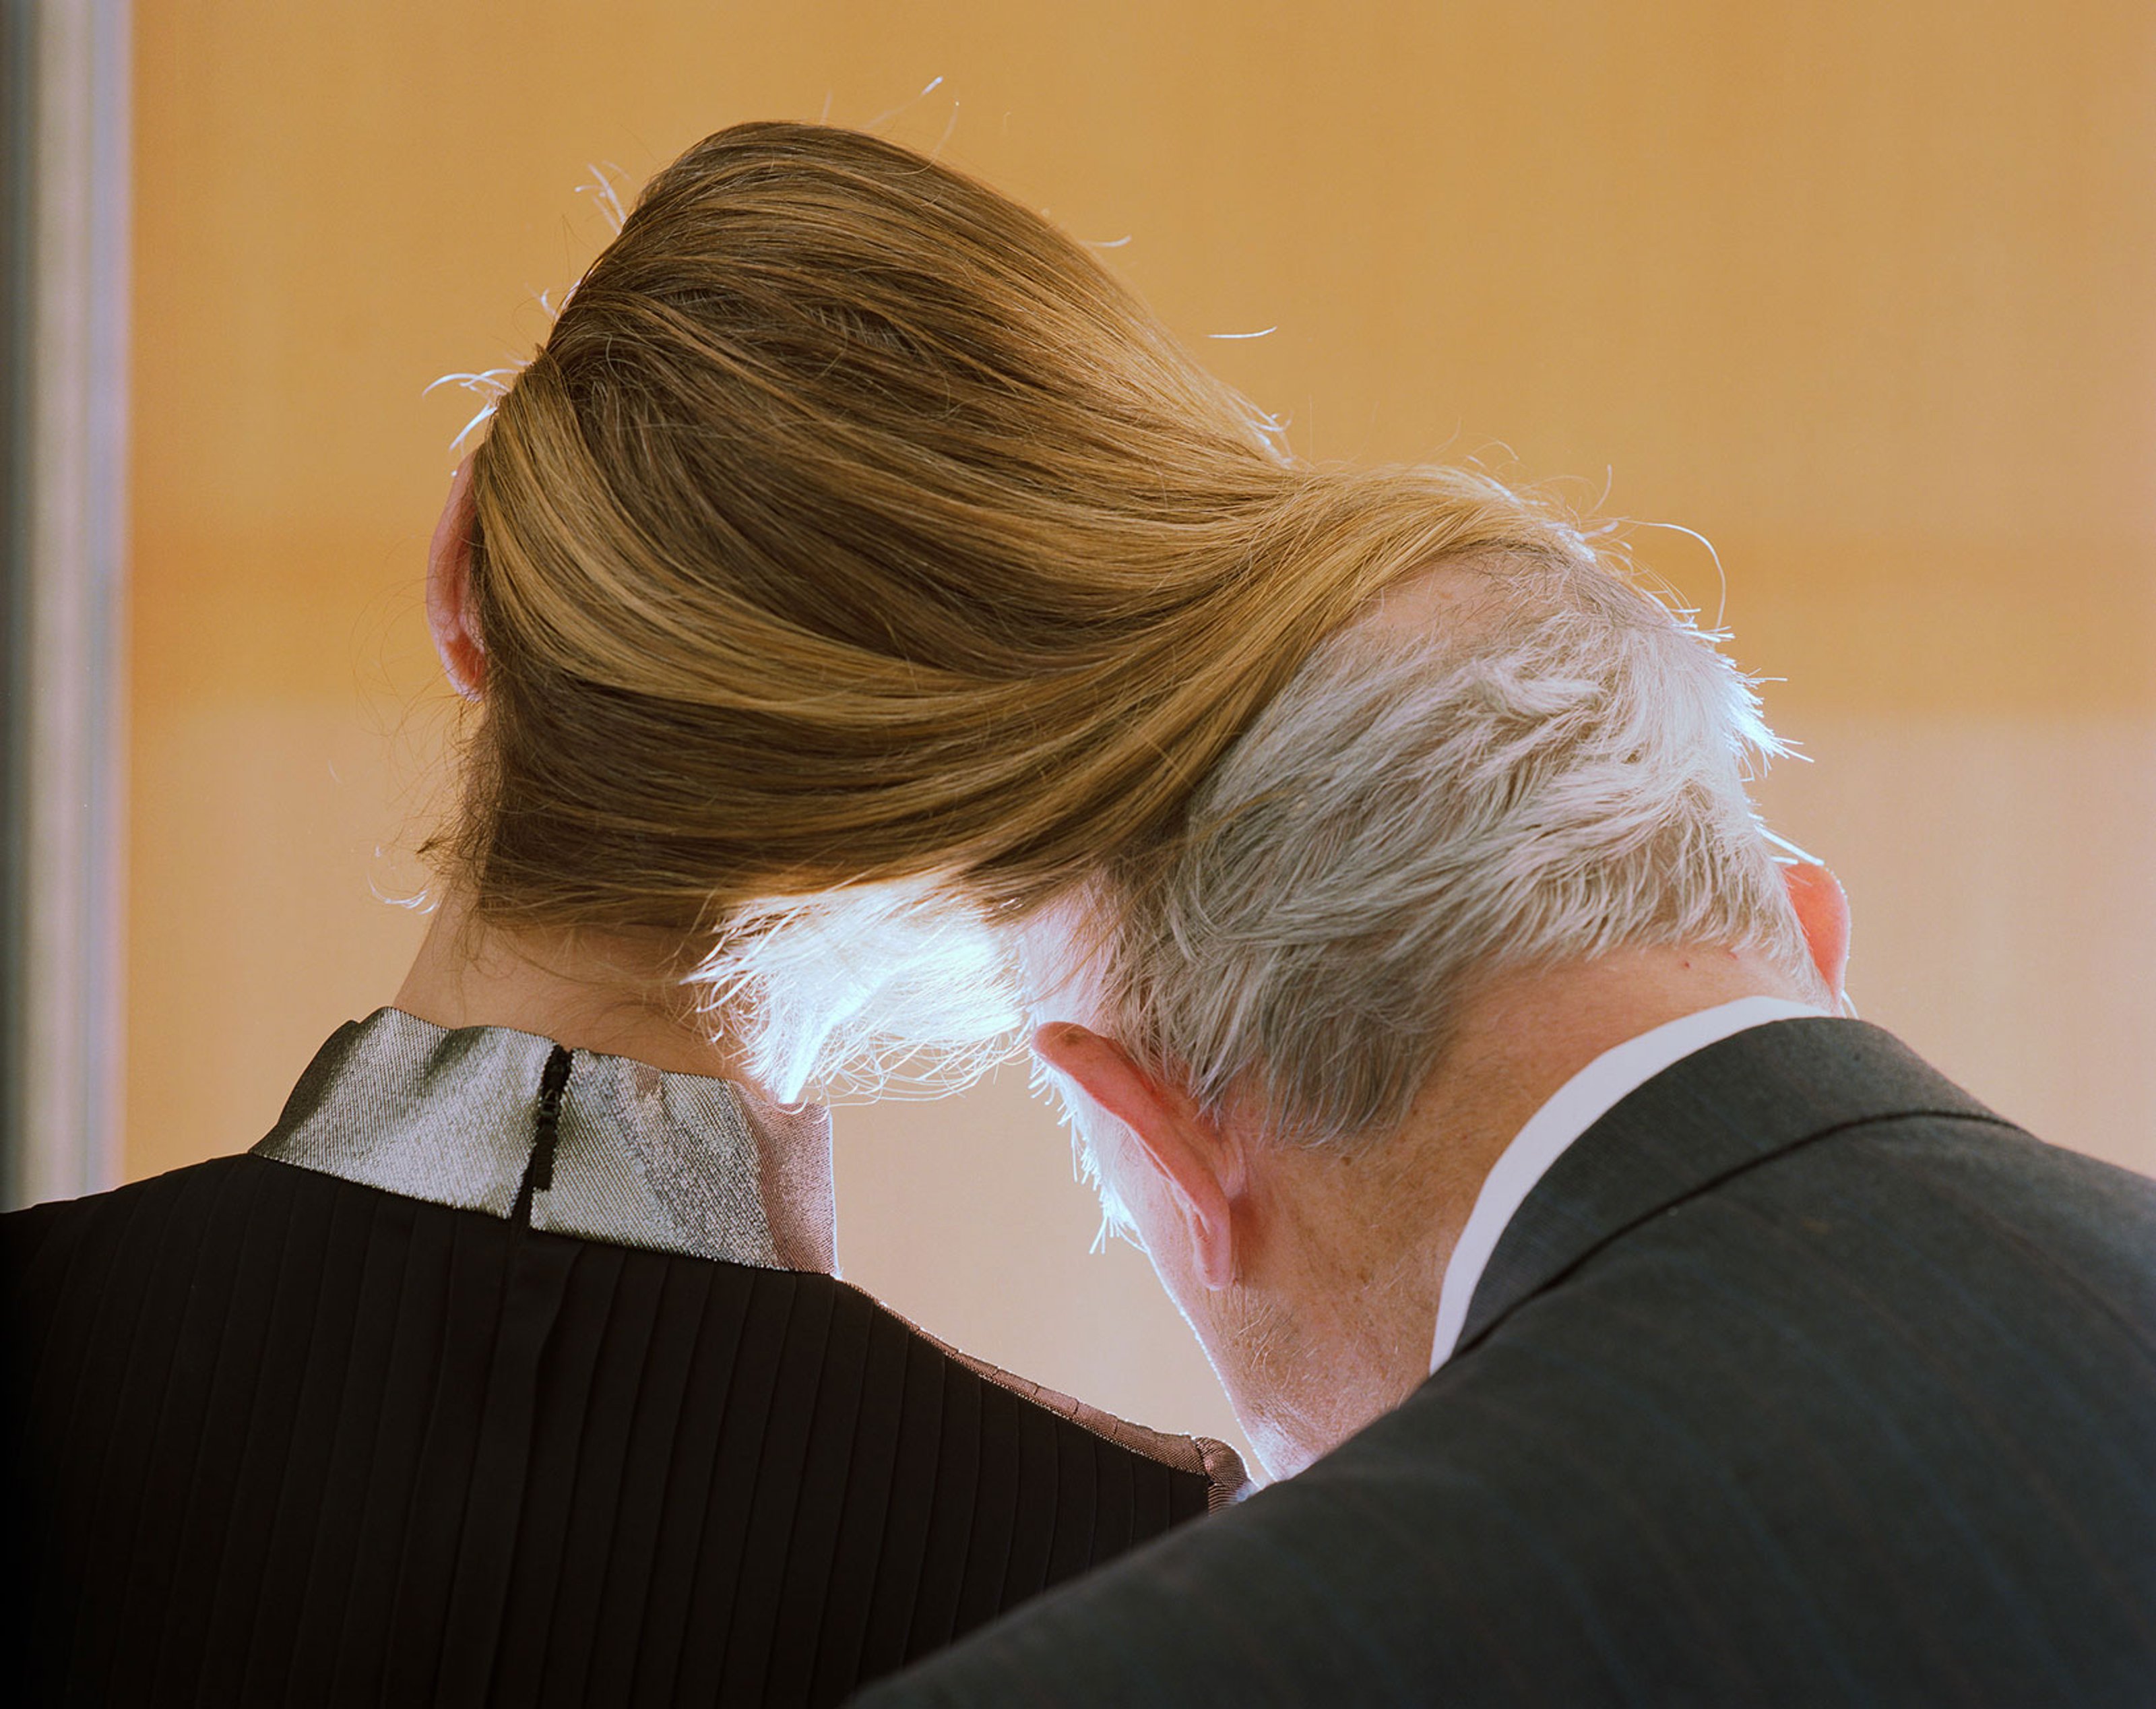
{"type": "Point", "coordinates": [1562, 773]}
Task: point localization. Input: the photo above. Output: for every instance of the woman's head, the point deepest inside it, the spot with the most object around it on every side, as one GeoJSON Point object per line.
{"type": "Point", "coordinates": [855, 525]}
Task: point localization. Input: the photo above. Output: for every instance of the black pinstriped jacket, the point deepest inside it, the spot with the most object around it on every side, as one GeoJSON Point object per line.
{"type": "Point", "coordinates": [486, 1379]}
{"type": "Point", "coordinates": [1801, 1378]}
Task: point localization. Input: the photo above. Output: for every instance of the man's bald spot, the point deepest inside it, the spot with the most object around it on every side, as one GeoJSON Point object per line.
{"type": "Point", "coordinates": [1445, 602]}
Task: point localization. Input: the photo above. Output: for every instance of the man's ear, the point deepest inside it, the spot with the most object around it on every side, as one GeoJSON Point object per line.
{"type": "Point", "coordinates": [1822, 908]}
{"type": "Point", "coordinates": [448, 590]}
{"type": "Point", "coordinates": [1201, 1164]}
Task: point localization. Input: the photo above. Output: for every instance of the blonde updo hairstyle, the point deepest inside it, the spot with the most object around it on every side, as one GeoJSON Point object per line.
{"type": "Point", "coordinates": [854, 527]}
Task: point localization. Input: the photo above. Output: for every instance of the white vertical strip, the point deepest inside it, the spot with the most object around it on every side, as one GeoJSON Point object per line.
{"type": "Point", "coordinates": [68, 1109]}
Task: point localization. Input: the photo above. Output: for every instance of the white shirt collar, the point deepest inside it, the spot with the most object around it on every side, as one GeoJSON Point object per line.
{"type": "Point", "coordinates": [1575, 1107]}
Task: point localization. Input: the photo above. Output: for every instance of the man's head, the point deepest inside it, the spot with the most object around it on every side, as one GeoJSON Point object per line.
{"type": "Point", "coordinates": [1495, 819]}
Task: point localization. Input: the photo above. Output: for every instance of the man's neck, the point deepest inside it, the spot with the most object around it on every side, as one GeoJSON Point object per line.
{"type": "Point", "coordinates": [1356, 1243]}
{"type": "Point", "coordinates": [1526, 1035]}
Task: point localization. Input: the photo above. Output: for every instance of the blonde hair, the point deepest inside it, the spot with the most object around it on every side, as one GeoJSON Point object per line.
{"type": "Point", "coordinates": [854, 527]}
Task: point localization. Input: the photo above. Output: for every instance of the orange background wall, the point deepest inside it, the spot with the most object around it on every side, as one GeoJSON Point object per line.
{"type": "Point", "coordinates": [1865, 294]}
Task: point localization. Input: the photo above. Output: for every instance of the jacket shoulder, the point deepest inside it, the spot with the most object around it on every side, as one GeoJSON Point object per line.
{"type": "Point", "coordinates": [1845, 1423]}
{"type": "Point", "coordinates": [40, 1239]}
{"type": "Point", "coordinates": [251, 1367]}
{"type": "Point", "coordinates": [1218, 1465]}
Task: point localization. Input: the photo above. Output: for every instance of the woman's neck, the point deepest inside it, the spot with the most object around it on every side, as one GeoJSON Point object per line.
{"type": "Point", "coordinates": [621, 995]}
{"type": "Point", "coordinates": [617, 994]}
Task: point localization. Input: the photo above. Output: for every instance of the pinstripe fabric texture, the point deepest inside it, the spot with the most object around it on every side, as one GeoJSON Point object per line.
{"type": "Point", "coordinates": [1801, 1378]}
{"type": "Point", "coordinates": [293, 1439]}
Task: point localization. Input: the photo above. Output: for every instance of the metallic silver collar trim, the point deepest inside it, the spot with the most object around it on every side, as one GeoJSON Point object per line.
{"type": "Point", "coordinates": [671, 1163]}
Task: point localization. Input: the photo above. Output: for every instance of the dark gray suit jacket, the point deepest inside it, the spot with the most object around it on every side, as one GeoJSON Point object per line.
{"type": "Point", "coordinates": [1801, 1378]}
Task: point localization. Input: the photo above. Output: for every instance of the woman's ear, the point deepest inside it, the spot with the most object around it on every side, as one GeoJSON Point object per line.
{"type": "Point", "coordinates": [448, 590]}
{"type": "Point", "coordinates": [1822, 908]}
{"type": "Point", "coordinates": [1199, 1164]}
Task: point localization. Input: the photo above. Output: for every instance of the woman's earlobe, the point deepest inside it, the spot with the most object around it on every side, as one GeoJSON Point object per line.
{"type": "Point", "coordinates": [449, 612]}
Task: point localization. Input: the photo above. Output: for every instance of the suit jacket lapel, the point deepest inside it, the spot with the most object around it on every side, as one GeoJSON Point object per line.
{"type": "Point", "coordinates": [1720, 1111]}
